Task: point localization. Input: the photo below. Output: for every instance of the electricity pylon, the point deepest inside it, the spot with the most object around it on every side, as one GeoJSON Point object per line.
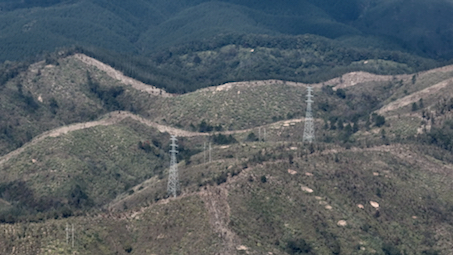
{"type": "Point", "coordinates": [173, 178]}
{"type": "Point", "coordinates": [210, 153]}
{"type": "Point", "coordinates": [72, 225]}
{"type": "Point", "coordinates": [72, 234]}
{"type": "Point", "coordinates": [67, 233]}
{"type": "Point", "coordinates": [263, 137]}
{"type": "Point", "coordinates": [309, 129]}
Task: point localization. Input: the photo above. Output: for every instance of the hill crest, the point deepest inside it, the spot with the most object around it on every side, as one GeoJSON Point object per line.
{"type": "Point", "coordinates": [278, 195]}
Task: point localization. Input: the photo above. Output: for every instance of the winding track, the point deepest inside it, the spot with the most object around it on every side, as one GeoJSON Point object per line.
{"type": "Point", "coordinates": [114, 118]}
{"type": "Point", "coordinates": [415, 97]}
{"type": "Point", "coordinates": [347, 80]}
{"type": "Point", "coordinates": [109, 119]}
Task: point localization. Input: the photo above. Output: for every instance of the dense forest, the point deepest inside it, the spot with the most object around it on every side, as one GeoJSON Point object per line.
{"type": "Point", "coordinates": [239, 57]}
{"type": "Point", "coordinates": [182, 46]}
{"type": "Point", "coordinates": [146, 26]}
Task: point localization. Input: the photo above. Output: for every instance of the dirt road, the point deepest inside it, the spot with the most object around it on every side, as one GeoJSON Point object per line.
{"type": "Point", "coordinates": [116, 117]}
{"type": "Point", "coordinates": [115, 74]}
{"type": "Point", "coordinates": [110, 119]}
{"type": "Point", "coordinates": [415, 97]}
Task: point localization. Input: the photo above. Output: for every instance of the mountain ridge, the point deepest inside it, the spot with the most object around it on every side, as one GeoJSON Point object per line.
{"type": "Point", "coordinates": [84, 140]}
{"type": "Point", "coordinates": [103, 174]}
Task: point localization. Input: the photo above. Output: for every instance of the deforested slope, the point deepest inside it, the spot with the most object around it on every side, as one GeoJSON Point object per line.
{"type": "Point", "coordinates": [336, 201]}
{"type": "Point", "coordinates": [373, 182]}
{"type": "Point", "coordinates": [46, 95]}
{"type": "Point", "coordinates": [81, 169]}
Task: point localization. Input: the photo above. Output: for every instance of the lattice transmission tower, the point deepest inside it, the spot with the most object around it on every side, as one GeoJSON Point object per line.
{"type": "Point", "coordinates": [210, 153]}
{"type": "Point", "coordinates": [173, 178]}
{"type": "Point", "coordinates": [309, 129]}
{"type": "Point", "coordinates": [67, 233]}
{"type": "Point", "coordinates": [263, 137]}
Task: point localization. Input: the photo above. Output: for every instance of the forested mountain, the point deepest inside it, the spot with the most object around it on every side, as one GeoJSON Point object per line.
{"type": "Point", "coordinates": [92, 90]}
{"type": "Point", "coordinates": [231, 57]}
{"type": "Point", "coordinates": [144, 26]}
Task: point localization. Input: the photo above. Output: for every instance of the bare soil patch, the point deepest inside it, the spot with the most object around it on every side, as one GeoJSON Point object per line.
{"type": "Point", "coordinates": [215, 199]}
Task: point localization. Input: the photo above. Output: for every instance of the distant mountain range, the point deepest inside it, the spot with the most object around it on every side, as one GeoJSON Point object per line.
{"type": "Point", "coordinates": [143, 27]}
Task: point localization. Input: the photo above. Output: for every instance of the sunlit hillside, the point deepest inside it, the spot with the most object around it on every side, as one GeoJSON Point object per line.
{"type": "Point", "coordinates": [376, 180]}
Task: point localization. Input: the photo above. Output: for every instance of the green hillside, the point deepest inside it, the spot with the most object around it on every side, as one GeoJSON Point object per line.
{"type": "Point", "coordinates": [48, 94]}
{"type": "Point", "coordinates": [44, 95]}
{"type": "Point", "coordinates": [92, 90]}
{"type": "Point", "coordinates": [265, 209]}
{"type": "Point", "coordinates": [63, 90]}
{"type": "Point", "coordinates": [376, 181]}
{"type": "Point", "coordinates": [76, 164]}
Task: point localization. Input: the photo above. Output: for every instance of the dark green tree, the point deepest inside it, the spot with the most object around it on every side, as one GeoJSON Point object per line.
{"type": "Point", "coordinates": [379, 121]}
{"type": "Point", "coordinates": [251, 137]}
{"type": "Point", "coordinates": [414, 106]}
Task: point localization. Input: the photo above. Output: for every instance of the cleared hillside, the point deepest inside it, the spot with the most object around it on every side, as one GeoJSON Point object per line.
{"type": "Point", "coordinates": [44, 96]}
{"type": "Point", "coordinates": [376, 181]}
{"type": "Point", "coordinates": [77, 88]}
{"type": "Point", "coordinates": [375, 200]}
